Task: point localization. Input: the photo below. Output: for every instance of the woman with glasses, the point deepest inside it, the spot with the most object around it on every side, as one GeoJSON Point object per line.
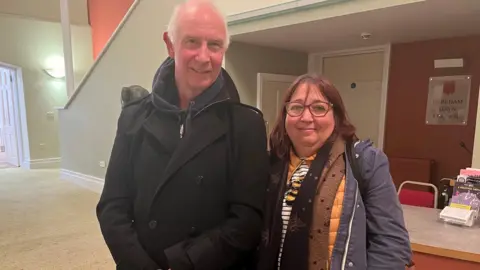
{"type": "Point", "coordinates": [318, 214]}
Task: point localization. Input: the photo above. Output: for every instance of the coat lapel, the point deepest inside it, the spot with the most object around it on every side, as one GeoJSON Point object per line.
{"type": "Point", "coordinates": [159, 126]}
{"type": "Point", "coordinates": [205, 129]}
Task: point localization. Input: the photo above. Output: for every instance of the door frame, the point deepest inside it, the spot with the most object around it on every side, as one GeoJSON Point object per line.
{"type": "Point", "coordinates": [262, 77]}
{"type": "Point", "coordinates": [315, 65]}
{"type": "Point", "coordinates": [20, 119]}
{"type": "Point", "coordinates": [269, 77]}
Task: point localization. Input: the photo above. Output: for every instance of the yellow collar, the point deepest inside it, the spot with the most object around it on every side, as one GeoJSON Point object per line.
{"type": "Point", "coordinates": [295, 160]}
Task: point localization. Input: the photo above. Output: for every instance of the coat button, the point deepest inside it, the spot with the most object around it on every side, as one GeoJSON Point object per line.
{"type": "Point", "coordinates": [152, 224]}
{"type": "Point", "coordinates": [350, 264]}
{"type": "Point", "coordinates": [193, 232]}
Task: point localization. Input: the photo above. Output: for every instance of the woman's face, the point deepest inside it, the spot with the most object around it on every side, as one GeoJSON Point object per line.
{"type": "Point", "coordinates": [309, 130]}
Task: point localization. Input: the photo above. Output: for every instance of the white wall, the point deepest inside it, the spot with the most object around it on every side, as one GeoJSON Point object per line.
{"type": "Point", "coordinates": [31, 44]}
{"type": "Point", "coordinates": [46, 10]}
{"type": "Point", "coordinates": [244, 61]}
{"type": "Point", "coordinates": [476, 140]}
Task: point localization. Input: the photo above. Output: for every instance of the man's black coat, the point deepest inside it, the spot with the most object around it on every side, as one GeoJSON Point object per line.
{"type": "Point", "coordinates": [185, 203]}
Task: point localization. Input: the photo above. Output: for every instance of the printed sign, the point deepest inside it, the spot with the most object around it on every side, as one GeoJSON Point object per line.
{"type": "Point", "coordinates": [448, 100]}
{"type": "Point", "coordinates": [466, 195]}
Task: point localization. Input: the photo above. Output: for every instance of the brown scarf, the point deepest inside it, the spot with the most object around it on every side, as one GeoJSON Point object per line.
{"type": "Point", "coordinates": [319, 232]}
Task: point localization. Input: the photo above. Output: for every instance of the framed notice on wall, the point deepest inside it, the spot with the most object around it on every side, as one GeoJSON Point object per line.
{"type": "Point", "coordinates": [448, 100]}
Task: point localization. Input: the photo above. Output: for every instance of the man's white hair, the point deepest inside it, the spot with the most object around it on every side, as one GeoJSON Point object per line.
{"type": "Point", "coordinates": [172, 27]}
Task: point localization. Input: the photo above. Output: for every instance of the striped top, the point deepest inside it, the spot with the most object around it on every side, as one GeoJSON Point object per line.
{"type": "Point", "coordinates": [298, 175]}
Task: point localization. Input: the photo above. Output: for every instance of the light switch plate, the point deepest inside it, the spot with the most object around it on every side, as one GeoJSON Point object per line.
{"type": "Point", "coordinates": [50, 115]}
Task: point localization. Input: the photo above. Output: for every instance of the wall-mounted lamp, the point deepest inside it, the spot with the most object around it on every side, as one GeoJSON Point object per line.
{"type": "Point", "coordinates": [57, 73]}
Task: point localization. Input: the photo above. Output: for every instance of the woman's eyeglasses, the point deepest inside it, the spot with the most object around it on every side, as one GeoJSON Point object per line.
{"type": "Point", "coordinates": [318, 109]}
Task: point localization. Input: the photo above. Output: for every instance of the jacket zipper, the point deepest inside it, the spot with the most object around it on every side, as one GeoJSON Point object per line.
{"type": "Point", "coordinates": [344, 260]}
{"type": "Point", "coordinates": [210, 105]}
{"type": "Point", "coordinates": [182, 126]}
{"type": "Point", "coordinates": [181, 131]}
{"type": "Point", "coordinates": [182, 119]}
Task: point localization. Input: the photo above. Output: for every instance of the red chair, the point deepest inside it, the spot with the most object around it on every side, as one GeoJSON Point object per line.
{"type": "Point", "coordinates": [417, 197]}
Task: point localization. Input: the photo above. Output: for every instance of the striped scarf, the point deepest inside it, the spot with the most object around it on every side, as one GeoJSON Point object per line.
{"type": "Point", "coordinates": [290, 196]}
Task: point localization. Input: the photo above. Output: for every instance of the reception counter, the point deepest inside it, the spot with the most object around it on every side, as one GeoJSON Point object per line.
{"type": "Point", "coordinates": [438, 245]}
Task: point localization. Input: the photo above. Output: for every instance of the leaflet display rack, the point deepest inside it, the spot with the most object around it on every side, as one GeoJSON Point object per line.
{"type": "Point", "coordinates": [464, 206]}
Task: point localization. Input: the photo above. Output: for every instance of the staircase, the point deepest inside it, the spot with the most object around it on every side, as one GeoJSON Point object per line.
{"type": "Point", "coordinates": [87, 123]}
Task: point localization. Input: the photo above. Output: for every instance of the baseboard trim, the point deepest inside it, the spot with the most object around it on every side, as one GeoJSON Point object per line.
{"type": "Point", "coordinates": [86, 181]}
{"type": "Point", "coordinates": [44, 163]}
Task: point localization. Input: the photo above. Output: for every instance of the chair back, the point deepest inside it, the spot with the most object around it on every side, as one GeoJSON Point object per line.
{"type": "Point", "coordinates": [417, 197]}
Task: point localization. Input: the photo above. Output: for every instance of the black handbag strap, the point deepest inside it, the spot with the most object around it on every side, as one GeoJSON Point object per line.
{"type": "Point", "coordinates": [356, 165]}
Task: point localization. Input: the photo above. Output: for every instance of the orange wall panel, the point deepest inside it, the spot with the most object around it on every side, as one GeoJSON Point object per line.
{"type": "Point", "coordinates": [104, 17]}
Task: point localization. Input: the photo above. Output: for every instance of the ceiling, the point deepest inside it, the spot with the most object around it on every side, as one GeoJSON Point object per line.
{"type": "Point", "coordinates": [46, 10]}
{"type": "Point", "coordinates": [406, 23]}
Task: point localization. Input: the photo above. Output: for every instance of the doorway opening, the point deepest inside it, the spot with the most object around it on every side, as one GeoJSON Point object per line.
{"type": "Point", "coordinates": [10, 125]}
{"type": "Point", "coordinates": [270, 91]}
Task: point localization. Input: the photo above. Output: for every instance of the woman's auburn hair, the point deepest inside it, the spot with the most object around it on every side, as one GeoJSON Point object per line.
{"type": "Point", "coordinates": [280, 143]}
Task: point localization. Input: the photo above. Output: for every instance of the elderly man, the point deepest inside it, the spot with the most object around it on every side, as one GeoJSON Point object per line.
{"type": "Point", "coordinates": [188, 170]}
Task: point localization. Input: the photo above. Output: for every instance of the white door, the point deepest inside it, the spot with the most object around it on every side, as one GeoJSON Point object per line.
{"type": "Point", "coordinates": [363, 107]}
{"type": "Point", "coordinates": [270, 93]}
{"type": "Point", "coordinates": [8, 116]}
{"type": "Point", "coordinates": [359, 78]}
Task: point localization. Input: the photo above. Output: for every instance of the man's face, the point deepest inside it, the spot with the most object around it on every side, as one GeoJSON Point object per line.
{"type": "Point", "coordinates": [198, 49]}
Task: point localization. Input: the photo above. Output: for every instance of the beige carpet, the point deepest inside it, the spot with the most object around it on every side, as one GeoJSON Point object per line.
{"type": "Point", "coordinates": [47, 223]}
{"type": "Point", "coordinates": [3, 161]}
{"type": "Point", "coordinates": [4, 165]}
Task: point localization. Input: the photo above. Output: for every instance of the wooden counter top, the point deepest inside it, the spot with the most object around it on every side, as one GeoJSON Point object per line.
{"type": "Point", "coordinates": [429, 234]}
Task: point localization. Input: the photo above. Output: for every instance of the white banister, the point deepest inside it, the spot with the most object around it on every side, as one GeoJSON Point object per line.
{"type": "Point", "coordinates": [67, 47]}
